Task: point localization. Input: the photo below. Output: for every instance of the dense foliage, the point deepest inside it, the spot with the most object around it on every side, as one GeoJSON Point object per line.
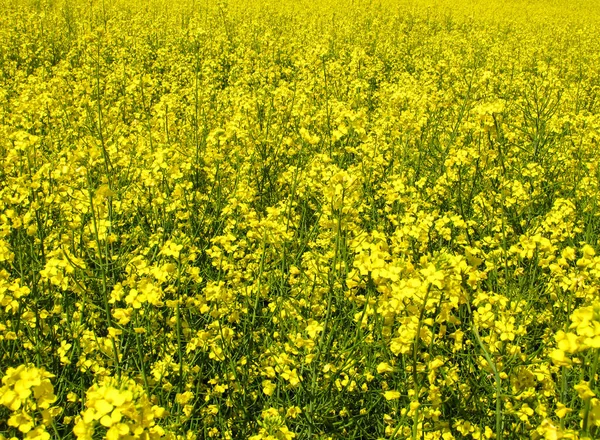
{"type": "Point", "coordinates": [299, 219]}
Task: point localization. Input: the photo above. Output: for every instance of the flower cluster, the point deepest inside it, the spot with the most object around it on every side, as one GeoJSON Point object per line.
{"type": "Point", "coordinates": [122, 409]}
{"type": "Point", "coordinates": [28, 393]}
{"type": "Point", "coordinates": [272, 426]}
{"type": "Point", "coordinates": [583, 334]}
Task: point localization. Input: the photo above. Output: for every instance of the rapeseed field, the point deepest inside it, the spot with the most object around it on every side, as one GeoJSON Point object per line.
{"type": "Point", "coordinates": [327, 219]}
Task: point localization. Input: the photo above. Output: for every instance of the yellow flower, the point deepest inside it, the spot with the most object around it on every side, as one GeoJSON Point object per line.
{"type": "Point", "coordinates": [313, 328]}
{"type": "Point", "coordinates": [268, 387]}
{"type": "Point", "coordinates": [568, 342]}
{"type": "Point", "coordinates": [524, 412]}
{"type": "Point", "coordinates": [119, 405]}
{"type": "Point", "coordinates": [10, 399]}
{"type": "Point", "coordinates": [559, 358]}
{"type": "Point", "coordinates": [391, 395]}
{"type": "Point", "coordinates": [22, 421]}
{"type": "Point", "coordinates": [183, 398]}
{"type": "Point", "coordinates": [117, 431]}
{"type": "Point", "coordinates": [293, 412]}
{"type": "Point", "coordinates": [25, 385]}
{"type": "Point", "coordinates": [561, 410]}
{"type": "Point", "coordinates": [83, 430]}
{"type": "Point", "coordinates": [38, 433]}
{"type": "Point", "coordinates": [583, 390]}
{"type": "Point", "coordinates": [291, 376]}
{"type": "Point", "coordinates": [384, 367]}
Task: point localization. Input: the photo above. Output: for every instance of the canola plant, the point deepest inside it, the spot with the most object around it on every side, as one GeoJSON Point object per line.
{"type": "Point", "coordinates": [328, 219]}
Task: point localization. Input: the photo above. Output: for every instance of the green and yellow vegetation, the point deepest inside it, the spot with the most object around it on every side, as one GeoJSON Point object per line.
{"type": "Point", "coordinates": [344, 219]}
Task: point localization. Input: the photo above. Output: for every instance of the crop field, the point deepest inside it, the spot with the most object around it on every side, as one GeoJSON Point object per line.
{"type": "Point", "coordinates": [294, 219]}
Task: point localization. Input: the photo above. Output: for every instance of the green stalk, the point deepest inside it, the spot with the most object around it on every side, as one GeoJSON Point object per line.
{"type": "Point", "coordinates": [103, 265]}
{"type": "Point", "coordinates": [140, 355]}
{"type": "Point", "coordinates": [498, 385]}
{"type": "Point", "coordinates": [588, 402]}
{"type": "Point", "coordinates": [416, 344]}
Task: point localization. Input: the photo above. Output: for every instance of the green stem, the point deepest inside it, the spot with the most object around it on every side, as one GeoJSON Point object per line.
{"type": "Point", "coordinates": [588, 402]}
{"type": "Point", "coordinates": [140, 354]}
{"type": "Point", "coordinates": [494, 368]}
{"type": "Point", "coordinates": [417, 339]}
